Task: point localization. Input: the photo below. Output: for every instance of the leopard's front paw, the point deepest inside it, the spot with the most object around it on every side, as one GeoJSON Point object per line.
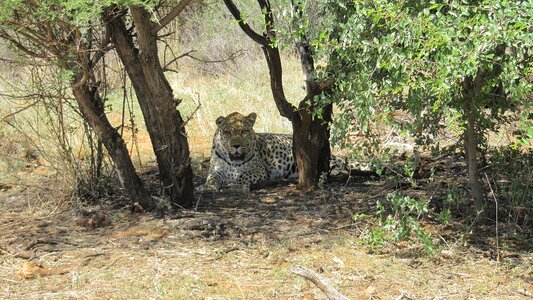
{"type": "Point", "coordinates": [209, 185]}
{"type": "Point", "coordinates": [240, 188]}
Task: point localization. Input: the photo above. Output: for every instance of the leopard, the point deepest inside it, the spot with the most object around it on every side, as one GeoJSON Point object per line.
{"type": "Point", "coordinates": [242, 158]}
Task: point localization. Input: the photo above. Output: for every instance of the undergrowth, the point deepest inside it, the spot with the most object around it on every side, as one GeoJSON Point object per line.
{"type": "Point", "coordinates": [510, 182]}
{"type": "Point", "coordinates": [397, 219]}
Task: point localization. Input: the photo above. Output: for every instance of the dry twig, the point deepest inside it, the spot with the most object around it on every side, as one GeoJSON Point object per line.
{"type": "Point", "coordinates": [525, 293]}
{"type": "Point", "coordinates": [320, 282]}
{"type": "Point", "coordinates": [496, 210]}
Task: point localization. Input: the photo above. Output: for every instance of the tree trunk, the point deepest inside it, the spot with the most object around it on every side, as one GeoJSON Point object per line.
{"type": "Point", "coordinates": [310, 132]}
{"type": "Point", "coordinates": [471, 90]}
{"type": "Point", "coordinates": [470, 146]}
{"type": "Point", "coordinates": [311, 147]}
{"type": "Point", "coordinates": [92, 110]}
{"type": "Point", "coordinates": [154, 94]}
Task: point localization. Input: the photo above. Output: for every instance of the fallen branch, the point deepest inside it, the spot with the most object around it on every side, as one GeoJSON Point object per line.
{"type": "Point", "coordinates": [39, 242]}
{"type": "Point", "coordinates": [48, 242]}
{"type": "Point", "coordinates": [525, 293]}
{"type": "Point", "coordinates": [30, 270]}
{"type": "Point", "coordinates": [320, 282]}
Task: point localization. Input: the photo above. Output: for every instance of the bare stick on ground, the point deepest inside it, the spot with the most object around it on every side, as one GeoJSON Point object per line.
{"type": "Point", "coordinates": [320, 282]}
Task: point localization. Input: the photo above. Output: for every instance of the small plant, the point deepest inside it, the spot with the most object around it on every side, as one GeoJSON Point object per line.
{"type": "Point", "coordinates": [359, 216]}
{"type": "Point", "coordinates": [374, 239]}
{"type": "Point", "coordinates": [408, 170]}
{"type": "Point", "coordinates": [401, 224]}
{"type": "Point", "coordinates": [322, 180]}
{"type": "Point", "coordinates": [445, 216]}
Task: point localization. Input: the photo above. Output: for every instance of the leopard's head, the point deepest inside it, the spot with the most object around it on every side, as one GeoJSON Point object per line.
{"type": "Point", "coordinates": [235, 138]}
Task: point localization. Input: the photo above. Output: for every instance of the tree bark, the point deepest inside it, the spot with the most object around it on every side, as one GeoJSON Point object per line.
{"type": "Point", "coordinates": [154, 94]}
{"type": "Point", "coordinates": [311, 147]}
{"type": "Point", "coordinates": [92, 110]}
{"type": "Point", "coordinates": [311, 133]}
{"type": "Point", "coordinates": [471, 161]}
{"type": "Point", "coordinates": [322, 283]}
{"type": "Point", "coordinates": [68, 47]}
{"type": "Point", "coordinates": [471, 89]}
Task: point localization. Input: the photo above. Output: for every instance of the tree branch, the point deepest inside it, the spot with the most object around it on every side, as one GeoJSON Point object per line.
{"type": "Point", "coordinates": [275, 69]}
{"type": "Point", "coordinates": [20, 46]}
{"type": "Point", "coordinates": [269, 18]}
{"type": "Point", "coordinates": [320, 282]}
{"type": "Point", "coordinates": [271, 52]}
{"type": "Point", "coordinates": [176, 10]}
{"type": "Point", "coordinates": [83, 57]}
{"type": "Point", "coordinates": [244, 26]}
{"type": "Point", "coordinates": [306, 56]}
{"type": "Point", "coordinates": [8, 116]}
{"type": "Point", "coordinates": [232, 56]}
{"type": "Point", "coordinates": [103, 47]}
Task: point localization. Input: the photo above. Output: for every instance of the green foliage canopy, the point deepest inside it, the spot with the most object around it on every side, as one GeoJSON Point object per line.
{"type": "Point", "coordinates": [426, 57]}
{"type": "Point", "coordinates": [74, 11]}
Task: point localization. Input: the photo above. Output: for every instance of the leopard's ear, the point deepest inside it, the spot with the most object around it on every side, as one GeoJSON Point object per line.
{"type": "Point", "coordinates": [251, 118]}
{"type": "Point", "coordinates": [220, 120]}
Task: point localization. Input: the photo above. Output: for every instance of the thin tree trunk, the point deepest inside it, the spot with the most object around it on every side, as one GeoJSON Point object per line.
{"type": "Point", "coordinates": [69, 46]}
{"type": "Point", "coordinates": [470, 146]}
{"type": "Point", "coordinates": [154, 94]}
{"type": "Point", "coordinates": [471, 89]}
{"type": "Point", "coordinates": [89, 104]}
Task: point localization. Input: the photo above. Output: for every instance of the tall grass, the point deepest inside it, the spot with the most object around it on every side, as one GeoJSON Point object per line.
{"type": "Point", "coordinates": [226, 72]}
{"type": "Point", "coordinates": [206, 97]}
{"type": "Point", "coordinates": [41, 128]}
{"type": "Point", "coordinates": [245, 92]}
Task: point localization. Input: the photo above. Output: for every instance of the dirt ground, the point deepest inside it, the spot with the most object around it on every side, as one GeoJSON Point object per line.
{"type": "Point", "coordinates": [234, 246]}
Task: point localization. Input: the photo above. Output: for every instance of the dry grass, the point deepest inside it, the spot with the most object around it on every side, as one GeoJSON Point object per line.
{"type": "Point", "coordinates": [245, 92]}
{"type": "Point", "coordinates": [240, 247]}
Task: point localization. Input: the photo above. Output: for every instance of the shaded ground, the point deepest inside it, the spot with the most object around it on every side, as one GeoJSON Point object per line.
{"type": "Point", "coordinates": [241, 246]}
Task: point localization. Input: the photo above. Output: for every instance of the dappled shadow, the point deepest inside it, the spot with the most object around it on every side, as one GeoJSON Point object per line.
{"type": "Point", "coordinates": [274, 214]}
{"type": "Point", "coordinates": [282, 212]}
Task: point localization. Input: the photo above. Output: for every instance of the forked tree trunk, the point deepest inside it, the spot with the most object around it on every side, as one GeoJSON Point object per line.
{"type": "Point", "coordinates": [92, 110]}
{"type": "Point", "coordinates": [310, 133]}
{"type": "Point", "coordinates": [311, 147]}
{"type": "Point", "coordinates": [154, 94]}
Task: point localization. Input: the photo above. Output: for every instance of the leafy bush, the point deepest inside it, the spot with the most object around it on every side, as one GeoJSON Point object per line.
{"type": "Point", "coordinates": [432, 59]}
{"type": "Point", "coordinates": [401, 224]}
